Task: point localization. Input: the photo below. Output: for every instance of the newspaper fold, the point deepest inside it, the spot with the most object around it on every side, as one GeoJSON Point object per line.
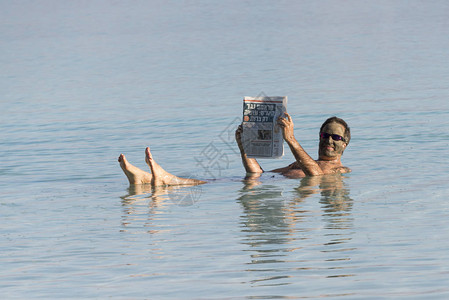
{"type": "Point", "coordinates": [262, 137]}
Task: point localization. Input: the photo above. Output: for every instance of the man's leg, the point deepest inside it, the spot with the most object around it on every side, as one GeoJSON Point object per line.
{"type": "Point", "coordinates": [162, 177]}
{"type": "Point", "coordinates": [134, 174]}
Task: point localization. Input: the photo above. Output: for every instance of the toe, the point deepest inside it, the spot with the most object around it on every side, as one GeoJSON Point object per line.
{"type": "Point", "coordinates": [148, 153]}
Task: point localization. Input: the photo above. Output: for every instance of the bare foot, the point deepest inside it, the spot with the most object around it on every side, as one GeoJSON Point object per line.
{"type": "Point", "coordinates": [162, 177]}
{"type": "Point", "coordinates": [134, 174]}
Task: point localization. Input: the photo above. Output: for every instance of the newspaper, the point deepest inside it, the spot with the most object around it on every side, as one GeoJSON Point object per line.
{"type": "Point", "coordinates": [262, 137]}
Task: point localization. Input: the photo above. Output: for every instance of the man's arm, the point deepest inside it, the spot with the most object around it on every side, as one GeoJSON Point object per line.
{"type": "Point", "coordinates": [307, 164]}
{"type": "Point", "coordinates": [251, 165]}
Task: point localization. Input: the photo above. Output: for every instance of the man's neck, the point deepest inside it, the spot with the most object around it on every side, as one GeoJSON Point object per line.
{"type": "Point", "coordinates": [330, 161]}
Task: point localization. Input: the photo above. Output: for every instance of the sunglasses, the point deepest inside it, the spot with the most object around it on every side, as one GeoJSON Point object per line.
{"type": "Point", "coordinates": [335, 137]}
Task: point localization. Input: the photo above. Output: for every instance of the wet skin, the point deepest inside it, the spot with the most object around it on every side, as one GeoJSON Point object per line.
{"type": "Point", "coordinates": [157, 177]}
{"type": "Point", "coordinates": [329, 159]}
{"type": "Point", "coordinates": [329, 149]}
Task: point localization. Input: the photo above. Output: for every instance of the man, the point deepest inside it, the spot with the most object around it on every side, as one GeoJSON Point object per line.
{"type": "Point", "coordinates": [334, 138]}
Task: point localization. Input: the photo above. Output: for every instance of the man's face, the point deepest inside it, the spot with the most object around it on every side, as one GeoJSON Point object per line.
{"type": "Point", "coordinates": [330, 148]}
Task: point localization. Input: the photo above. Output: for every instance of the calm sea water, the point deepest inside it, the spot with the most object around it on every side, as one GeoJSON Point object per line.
{"type": "Point", "coordinates": [82, 82]}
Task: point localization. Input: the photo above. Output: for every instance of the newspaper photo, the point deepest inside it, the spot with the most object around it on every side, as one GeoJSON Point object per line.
{"type": "Point", "coordinates": [262, 137]}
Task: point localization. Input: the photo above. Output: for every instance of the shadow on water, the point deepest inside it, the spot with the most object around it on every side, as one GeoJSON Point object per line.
{"type": "Point", "coordinates": [282, 230]}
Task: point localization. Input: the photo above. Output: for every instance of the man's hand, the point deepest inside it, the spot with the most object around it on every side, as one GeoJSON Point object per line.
{"type": "Point", "coordinates": [286, 124]}
{"type": "Point", "coordinates": [238, 136]}
{"type": "Point", "coordinates": [251, 165]}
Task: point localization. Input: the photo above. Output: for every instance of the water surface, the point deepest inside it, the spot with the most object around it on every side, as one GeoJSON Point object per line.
{"type": "Point", "coordinates": [83, 82]}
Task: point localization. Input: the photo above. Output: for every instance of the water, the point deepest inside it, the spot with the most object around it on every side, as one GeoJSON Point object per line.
{"type": "Point", "coordinates": [83, 82]}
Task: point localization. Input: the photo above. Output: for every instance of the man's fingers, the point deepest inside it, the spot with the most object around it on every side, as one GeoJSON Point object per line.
{"type": "Point", "coordinates": [284, 120]}
{"type": "Point", "coordinates": [281, 122]}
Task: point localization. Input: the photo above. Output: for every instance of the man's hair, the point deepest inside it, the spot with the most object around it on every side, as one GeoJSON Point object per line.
{"type": "Point", "coordinates": [342, 122]}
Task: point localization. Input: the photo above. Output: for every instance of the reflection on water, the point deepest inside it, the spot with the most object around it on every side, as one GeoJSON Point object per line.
{"type": "Point", "coordinates": [147, 202]}
{"type": "Point", "coordinates": [179, 195]}
{"type": "Point", "coordinates": [141, 205]}
{"type": "Point", "coordinates": [282, 230]}
{"type": "Point", "coordinates": [287, 234]}
{"type": "Point", "coordinates": [264, 212]}
{"type": "Point", "coordinates": [335, 199]}
{"type": "Point", "coordinates": [267, 229]}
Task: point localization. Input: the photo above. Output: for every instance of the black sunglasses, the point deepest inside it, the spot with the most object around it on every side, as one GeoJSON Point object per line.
{"type": "Point", "coordinates": [335, 137]}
